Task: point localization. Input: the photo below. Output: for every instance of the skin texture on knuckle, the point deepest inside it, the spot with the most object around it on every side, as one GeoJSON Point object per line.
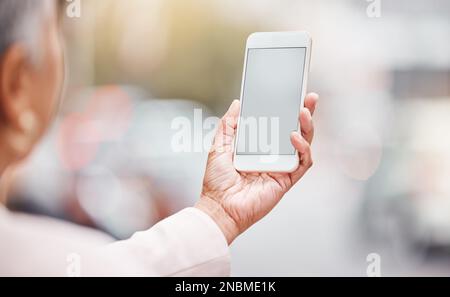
{"type": "Point", "coordinates": [223, 123]}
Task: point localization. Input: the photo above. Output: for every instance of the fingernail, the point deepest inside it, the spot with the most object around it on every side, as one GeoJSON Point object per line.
{"type": "Point", "coordinates": [233, 104]}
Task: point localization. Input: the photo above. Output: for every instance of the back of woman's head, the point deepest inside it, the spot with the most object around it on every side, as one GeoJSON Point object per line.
{"type": "Point", "coordinates": [31, 72]}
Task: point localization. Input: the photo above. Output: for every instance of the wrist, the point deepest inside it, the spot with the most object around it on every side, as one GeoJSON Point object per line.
{"type": "Point", "coordinates": [223, 220]}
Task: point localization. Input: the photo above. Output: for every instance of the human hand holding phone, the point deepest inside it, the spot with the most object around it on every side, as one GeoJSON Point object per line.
{"type": "Point", "coordinates": [236, 200]}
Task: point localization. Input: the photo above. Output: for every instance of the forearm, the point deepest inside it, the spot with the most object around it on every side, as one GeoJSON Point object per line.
{"type": "Point", "coordinates": [188, 243]}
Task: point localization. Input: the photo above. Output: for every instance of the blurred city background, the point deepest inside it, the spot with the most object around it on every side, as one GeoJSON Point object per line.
{"type": "Point", "coordinates": [380, 183]}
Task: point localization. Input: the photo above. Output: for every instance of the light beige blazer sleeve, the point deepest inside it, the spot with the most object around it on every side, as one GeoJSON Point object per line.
{"type": "Point", "coordinates": [188, 243]}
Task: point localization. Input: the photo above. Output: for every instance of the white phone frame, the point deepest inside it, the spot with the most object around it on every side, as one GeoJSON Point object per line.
{"type": "Point", "coordinates": [261, 40]}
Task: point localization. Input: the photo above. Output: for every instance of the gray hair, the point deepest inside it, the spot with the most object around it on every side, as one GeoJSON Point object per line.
{"type": "Point", "coordinates": [19, 22]}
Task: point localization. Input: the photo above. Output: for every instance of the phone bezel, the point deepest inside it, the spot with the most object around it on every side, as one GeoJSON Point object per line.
{"type": "Point", "coordinates": [262, 40]}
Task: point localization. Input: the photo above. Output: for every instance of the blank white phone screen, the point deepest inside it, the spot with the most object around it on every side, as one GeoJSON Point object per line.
{"type": "Point", "coordinates": [271, 101]}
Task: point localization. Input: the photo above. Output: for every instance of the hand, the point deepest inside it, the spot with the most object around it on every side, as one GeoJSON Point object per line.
{"type": "Point", "coordinates": [235, 200]}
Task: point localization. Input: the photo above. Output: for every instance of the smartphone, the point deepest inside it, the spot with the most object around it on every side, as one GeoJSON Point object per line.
{"type": "Point", "coordinates": [273, 90]}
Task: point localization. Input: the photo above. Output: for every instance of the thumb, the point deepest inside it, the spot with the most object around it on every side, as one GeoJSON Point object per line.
{"type": "Point", "coordinates": [226, 131]}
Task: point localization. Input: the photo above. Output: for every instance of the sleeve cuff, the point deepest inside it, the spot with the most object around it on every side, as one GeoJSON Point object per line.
{"type": "Point", "coordinates": [195, 244]}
